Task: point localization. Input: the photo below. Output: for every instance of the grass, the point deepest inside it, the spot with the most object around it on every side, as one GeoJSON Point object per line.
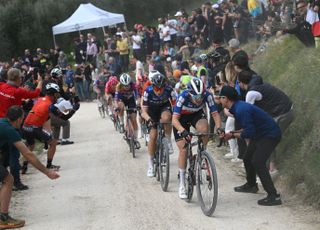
{"type": "Point", "coordinates": [295, 69]}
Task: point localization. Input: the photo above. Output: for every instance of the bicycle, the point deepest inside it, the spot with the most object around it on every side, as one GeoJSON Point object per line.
{"type": "Point", "coordinates": [201, 172]}
{"type": "Point", "coordinates": [129, 132]}
{"type": "Point", "coordinates": [161, 162]}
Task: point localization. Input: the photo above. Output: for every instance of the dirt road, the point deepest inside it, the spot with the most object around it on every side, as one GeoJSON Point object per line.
{"type": "Point", "coordinates": [103, 187]}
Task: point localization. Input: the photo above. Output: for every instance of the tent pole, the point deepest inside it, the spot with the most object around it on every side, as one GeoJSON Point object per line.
{"type": "Point", "coordinates": [104, 31]}
{"type": "Point", "coordinates": [54, 41]}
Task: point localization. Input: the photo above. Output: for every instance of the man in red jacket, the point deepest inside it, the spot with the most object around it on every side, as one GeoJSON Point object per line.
{"type": "Point", "coordinates": [12, 94]}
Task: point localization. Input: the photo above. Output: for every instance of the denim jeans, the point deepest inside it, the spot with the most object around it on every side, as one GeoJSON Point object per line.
{"type": "Point", "coordinates": [79, 89]}
{"type": "Point", "coordinates": [86, 86]}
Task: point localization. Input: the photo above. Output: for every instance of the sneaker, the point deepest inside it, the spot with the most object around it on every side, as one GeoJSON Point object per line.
{"type": "Point", "coordinates": [121, 129]}
{"type": "Point", "coordinates": [247, 188]}
{"type": "Point", "coordinates": [11, 223]}
{"type": "Point", "coordinates": [228, 156]}
{"type": "Point", "coordinates": [170, 147]}
{"type": "Point", "coordinates": [182, 192]}
{"type": "Point", "coordinates": [236, 160]}
{"type": "Point", "coordinates": [270, 200]}
{"type": "Point", "coordinates": [150, 172]}
{"type": "Point", "coordinates": [66, 142]}
{"type": "Point", "coordinates": [54, 167]}
{"type": "Point", "coordinates": [19, 187]}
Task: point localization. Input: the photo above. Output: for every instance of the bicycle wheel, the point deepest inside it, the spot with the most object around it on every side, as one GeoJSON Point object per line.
{"type": "Point", "coordinates": [164, 164]}
{"type": "Point", "coordinates": [207, 183]}
{"type": "Point", "coordinates": [190, 177]}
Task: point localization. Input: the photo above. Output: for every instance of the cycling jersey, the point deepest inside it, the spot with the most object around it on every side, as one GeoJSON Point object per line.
{"type": "Point", "coordinates": [39, 113]}
{"type": "Point", "coordinates": [125, 93]}
{"type": "Point", "coordinates": [111, 85]}
{"type": "Point", "coordinates": [185, 105]}
{"type": "Point", "coordinates": [150, 98]}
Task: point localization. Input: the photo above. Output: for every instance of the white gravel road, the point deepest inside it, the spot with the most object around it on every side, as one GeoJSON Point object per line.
{"type": "Point", "coordinates": [103, 187]}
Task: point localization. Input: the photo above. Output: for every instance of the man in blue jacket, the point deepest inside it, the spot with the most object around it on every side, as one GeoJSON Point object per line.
{"type": "Point", "coordinates": [262, 135]}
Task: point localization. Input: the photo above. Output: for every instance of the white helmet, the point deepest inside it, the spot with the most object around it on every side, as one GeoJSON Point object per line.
{"type": "Point", "coordinates": [125, 79]}
{"type": "Point", "coordinates": [53, 87]}
{"type": "Point", "coordinates": [56, 72]}
{"type": "Point", "coordinates": [196, 87]}
{"type": "Point", "coordinates": [153, 73]}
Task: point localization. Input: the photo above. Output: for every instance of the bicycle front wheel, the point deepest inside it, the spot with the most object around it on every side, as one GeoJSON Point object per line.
{"type": "Point", "coordinates": [207, 183]}
{"type": "Point", "coordinates": [164, 164]}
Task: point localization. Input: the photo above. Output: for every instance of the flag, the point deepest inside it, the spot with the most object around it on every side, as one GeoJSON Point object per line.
{"type": "Point", "coordinates": [254, 7]}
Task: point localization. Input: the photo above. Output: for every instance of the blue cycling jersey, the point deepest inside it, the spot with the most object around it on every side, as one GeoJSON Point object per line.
{"type": "Point", "coordinates": [150, 98]}
{"type": "Point", "coordinates": [185, 105]}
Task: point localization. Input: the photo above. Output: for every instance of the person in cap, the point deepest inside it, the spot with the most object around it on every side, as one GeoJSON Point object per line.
{"type": "Point", "coordinates": [262, 135]}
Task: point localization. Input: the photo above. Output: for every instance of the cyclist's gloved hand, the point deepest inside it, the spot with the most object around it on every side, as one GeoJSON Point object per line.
{"type": "Point", "coordinates": [186, 135]}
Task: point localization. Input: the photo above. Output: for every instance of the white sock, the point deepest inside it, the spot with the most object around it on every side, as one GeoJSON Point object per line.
{"type": "Point", "coordinates": [182, 173]}
{"type": "Point", "coordinates": [150, 161]}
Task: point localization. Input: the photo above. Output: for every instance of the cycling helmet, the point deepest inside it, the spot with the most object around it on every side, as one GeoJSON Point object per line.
{"type": "Point", "coordinates": [53, 87]}
{"type": "Point", "coordinates": [153, 73]}
{"type": "Point", "coordinates": [196, 88]}
{"type": "Point", "coordinates": [56, 72]}
{"type": "Point", "coordinates": [158, 80]}
{"type": "Point", "coordinates": [203, 57]}
{"type": "Point", "coordinates": [125, 79]}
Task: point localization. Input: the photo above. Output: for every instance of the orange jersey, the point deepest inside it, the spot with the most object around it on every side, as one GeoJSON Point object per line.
{"type": "Point", "coordinates": [39, 113]}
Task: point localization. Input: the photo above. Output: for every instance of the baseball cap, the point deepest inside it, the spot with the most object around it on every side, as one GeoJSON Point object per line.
{"type": "Point", "coordinates": [229, 92]}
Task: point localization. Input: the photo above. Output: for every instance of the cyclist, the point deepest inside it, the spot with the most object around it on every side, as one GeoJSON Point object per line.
{"type": "Point", "coordinates": [99, 86]}
{"type": "Point", "coordinates": [110, 91]}
{"type": "Point", "coordinates": [126, 94]}
{"type": "Point", "coordinates": [189, 110]}
{"type": "Point", "coordinates": [155, 107]}
{"type": "Point", "coordinates": [39, 117]}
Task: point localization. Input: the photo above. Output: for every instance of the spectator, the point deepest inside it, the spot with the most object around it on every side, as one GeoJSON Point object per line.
{"type": "Point", "coordinates": [136, 45]}
{"type": "Point", "coordinates": [79, 78]}
{"type": "Point", "coordinates": [92, 51]}
{"type": "Point", "coordinates": [123, 48]}
{"type": "Point", "coordinates": [62, 61]}
{"type": "Point", "coordinates": [262, 135]}
{"type": "Point", "coordinates": [8, 127]}
{"type": "Point", "coordinates": [302, 29]}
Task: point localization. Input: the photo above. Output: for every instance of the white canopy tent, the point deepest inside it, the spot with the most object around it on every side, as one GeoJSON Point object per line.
{"type": "Point", "coordinates": [87, 16]}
